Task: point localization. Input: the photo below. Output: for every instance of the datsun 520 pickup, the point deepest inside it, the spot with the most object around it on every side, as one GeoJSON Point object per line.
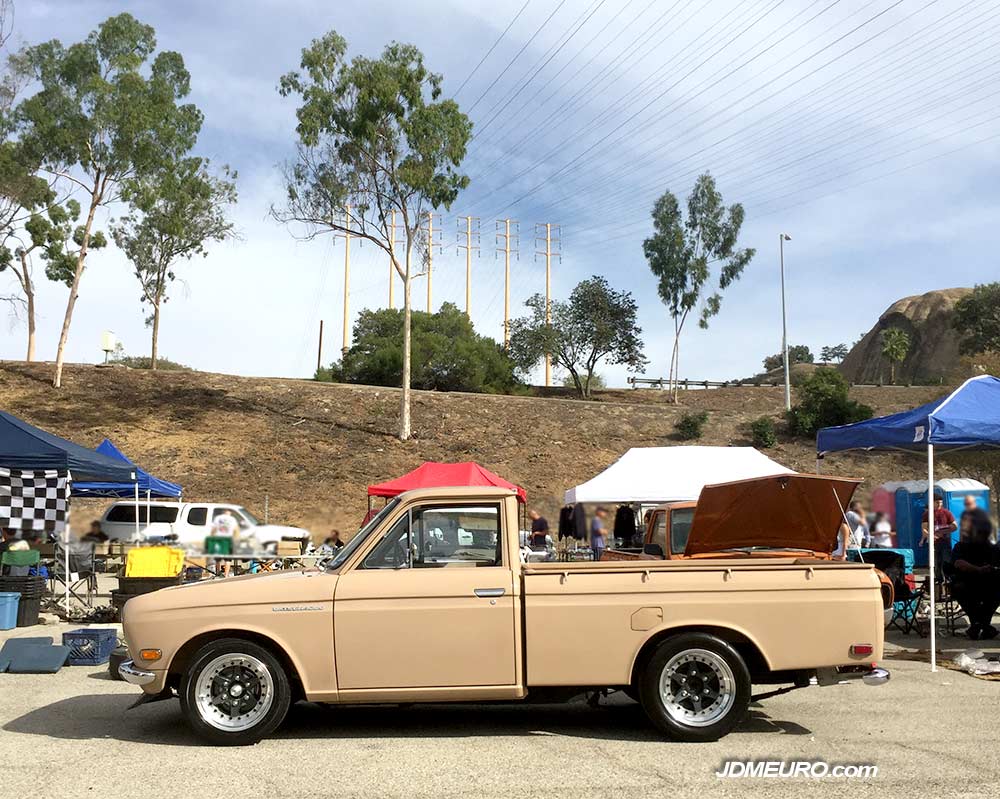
{"type": "Point", "coordinates": [430, 602]}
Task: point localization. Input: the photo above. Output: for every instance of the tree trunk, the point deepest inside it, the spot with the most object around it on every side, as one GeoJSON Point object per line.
{"type": "Point", "coordinates": [29, 294]}
{"type": "Point", "coordinates": [95, 200]}
{"type": "Point", "coordinates": [672, 379]}
{"type": "Point", "coordinates": [404, 402]}
{"type": "Point", "coordinates": [156, 333]}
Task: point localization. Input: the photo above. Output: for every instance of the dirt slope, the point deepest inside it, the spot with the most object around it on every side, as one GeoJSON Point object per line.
{"type": "Point", "coordinates": [313, 447]}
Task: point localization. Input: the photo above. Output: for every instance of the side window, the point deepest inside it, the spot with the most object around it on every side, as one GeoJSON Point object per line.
{"type": "Point", "coordinates": [680, 528]}
{"type": "Point", "coordinates": [660, 530]}
{"type": "Point", "coordinates": [457, 535]}
{"type": "Point", "coordinates": [122, 513]}
{"type": "Point", "coordinates": [164, 514]}
{"type": "Point", "coordinates": [441, 536]}
{"type": "Point", "coordinates": [197, 516]}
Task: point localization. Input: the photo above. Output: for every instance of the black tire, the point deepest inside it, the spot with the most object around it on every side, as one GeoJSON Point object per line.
{"type": "Point", "coordinates": [269, 717]}
{"type": "Point", "coordinates": [717, 671]}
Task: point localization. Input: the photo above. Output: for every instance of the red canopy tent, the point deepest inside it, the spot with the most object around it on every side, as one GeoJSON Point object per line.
{"type": "Point", "coordinates": [437, 475]}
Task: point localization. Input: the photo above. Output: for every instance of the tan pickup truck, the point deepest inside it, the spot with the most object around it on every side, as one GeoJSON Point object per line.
{"type": "Point", "coordinates": [430, 602]}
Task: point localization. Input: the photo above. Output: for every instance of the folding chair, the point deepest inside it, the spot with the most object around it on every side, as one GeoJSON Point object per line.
{"type": "Point", "coordinates": [906, 601]}
{"type": "Point", "coordinates": [82, 577]}
{"type": "Point", "coordinates": [953, 612]}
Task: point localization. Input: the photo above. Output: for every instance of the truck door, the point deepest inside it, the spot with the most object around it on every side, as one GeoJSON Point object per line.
{"type": "Point", "coordinates": [431, 604]}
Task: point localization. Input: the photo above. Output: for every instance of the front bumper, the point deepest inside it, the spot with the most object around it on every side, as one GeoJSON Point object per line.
{"type": "Point", "coordinates": [131, 674]}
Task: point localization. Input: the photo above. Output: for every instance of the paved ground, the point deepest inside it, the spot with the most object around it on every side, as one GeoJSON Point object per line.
{"type": "Point", "coordinates": [931, 735]}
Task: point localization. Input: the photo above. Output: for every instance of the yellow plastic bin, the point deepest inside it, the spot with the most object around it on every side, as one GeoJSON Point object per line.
{"type": "Point", "coordinates": [154, 562]}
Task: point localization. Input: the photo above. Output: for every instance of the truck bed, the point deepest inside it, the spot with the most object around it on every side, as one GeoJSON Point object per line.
{"type": "Point", "coordinates": [585, 623]}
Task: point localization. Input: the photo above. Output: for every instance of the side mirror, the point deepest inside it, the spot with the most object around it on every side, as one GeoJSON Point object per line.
{"type": "Point", "coordinates": [652, 549]}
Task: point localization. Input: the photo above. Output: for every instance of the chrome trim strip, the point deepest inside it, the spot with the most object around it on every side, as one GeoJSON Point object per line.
{"type": "Point", "coordinates": [131, 674]}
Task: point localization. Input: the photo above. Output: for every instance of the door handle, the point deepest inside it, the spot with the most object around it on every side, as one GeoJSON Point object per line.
{"type": "Point", "coordinates": [489, 592]}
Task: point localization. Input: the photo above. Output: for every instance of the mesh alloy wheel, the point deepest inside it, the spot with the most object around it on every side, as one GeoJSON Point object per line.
{"type": "Point", "coordinates": [697, 687]}
{"type": "Point", "coordinates": [234, 692]}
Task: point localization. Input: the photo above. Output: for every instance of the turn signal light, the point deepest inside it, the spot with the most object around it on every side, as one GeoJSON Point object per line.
{"type": "Point", "coordinates": [149, 655]}
{"type": "Point", "coordinates": [862, 649]}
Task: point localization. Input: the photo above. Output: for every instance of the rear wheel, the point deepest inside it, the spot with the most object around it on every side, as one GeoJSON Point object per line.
{"type": "Point", "coordinates": [695, 687]}
{"type": "Point", "coordinates": [235, 692]}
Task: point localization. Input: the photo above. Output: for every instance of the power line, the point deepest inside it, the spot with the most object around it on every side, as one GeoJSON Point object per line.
{"type": "Point", "coordinates": [516, 56]}
{"type": "Point", "coordinates": [493, 47]}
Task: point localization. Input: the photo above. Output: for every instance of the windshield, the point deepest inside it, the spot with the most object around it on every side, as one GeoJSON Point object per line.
{"type": "Point", "coordinates": [355, 543]}
{"type": "Point", "coordinates": [249, 516]}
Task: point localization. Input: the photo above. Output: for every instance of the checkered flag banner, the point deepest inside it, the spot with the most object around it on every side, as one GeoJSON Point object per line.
{"type": "Point", "coordinates": [34, 500]}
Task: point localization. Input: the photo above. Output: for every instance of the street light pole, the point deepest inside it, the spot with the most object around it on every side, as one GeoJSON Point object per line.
{"type": "Point", "coordinates": [782, 238]}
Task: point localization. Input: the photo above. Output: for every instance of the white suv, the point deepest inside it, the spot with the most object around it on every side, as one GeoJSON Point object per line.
{"type": "Point", "coordinates": [189, 523]}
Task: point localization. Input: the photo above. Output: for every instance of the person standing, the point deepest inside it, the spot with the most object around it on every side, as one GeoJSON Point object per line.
{"type": "Point", "coordinates": [944, 526]}
{"type": "Point", "coordinates": [598, 532]}
{"type": "Point", "coordinates": [859, 526]}
{"type": "Point", "coordinates": [881, 534]}
{"type": "Point", "coordinates": [539, 530]}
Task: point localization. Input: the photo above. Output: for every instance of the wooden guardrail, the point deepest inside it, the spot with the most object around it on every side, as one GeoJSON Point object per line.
{"type": "Point", "coordinates": [664, 383]}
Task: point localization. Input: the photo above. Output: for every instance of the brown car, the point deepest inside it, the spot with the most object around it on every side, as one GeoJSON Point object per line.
{"type": "Point", "coordinates": [430, 602]}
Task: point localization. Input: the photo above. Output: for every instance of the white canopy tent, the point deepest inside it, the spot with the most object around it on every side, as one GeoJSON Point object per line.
{"type": "Point", "coordinates": [652, 475]}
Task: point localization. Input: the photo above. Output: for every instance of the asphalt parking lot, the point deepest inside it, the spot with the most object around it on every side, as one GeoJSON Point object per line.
{"type": "Point", "coordinates": [72, 733]}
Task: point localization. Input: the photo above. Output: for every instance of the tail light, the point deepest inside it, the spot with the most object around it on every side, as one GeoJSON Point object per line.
{"type": "Point", "coordinates": [862, 650]}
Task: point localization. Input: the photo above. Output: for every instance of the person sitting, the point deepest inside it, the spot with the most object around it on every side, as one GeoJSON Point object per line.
{"type": "Point", "coordinates": [334, 541]}
{"type": "Point", "coordinates": [881, 534]}
{"type": "Point", "coordinates": [95, 535]}
{"type": "Point", "coordinates": [976, 576]}
{"type": "Point", "coordinates": [9, 542]}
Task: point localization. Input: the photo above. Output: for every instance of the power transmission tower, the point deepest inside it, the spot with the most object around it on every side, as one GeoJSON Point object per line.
{"type": "Point", "coordinates": [503, 232]}
{"type": "Point", "coordinates": [431, 244]}
{"type": "Point", "coordinates": [471, 230]}
{"type": "Point", "coordinates": [543, 234]}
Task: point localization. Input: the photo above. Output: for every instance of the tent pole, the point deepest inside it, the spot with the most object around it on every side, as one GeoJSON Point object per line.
{"type": "Point", "coordinates": [69, 510]}
{"type": "Point", "coordinates": [932, 544]}
{"type": "Point", "coordinates": [136, 512]}
{"type": "Point", "coordinates": [149, 507]}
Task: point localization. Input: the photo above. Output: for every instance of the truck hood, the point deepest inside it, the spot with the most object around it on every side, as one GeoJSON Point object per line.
{"type": "Point", "coordinates": [289, 586]}
{"type": "Point", "coordinates": [788, 511]}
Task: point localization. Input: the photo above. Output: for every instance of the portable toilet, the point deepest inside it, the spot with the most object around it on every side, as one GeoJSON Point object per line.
{"type": "Point", "coordinates": [911, 504]}
{"type": "Point", "coordinates": [884, 500]}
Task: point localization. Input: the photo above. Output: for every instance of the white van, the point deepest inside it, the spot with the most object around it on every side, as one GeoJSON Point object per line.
{"type": "Point", "coordinates": [189, 523]}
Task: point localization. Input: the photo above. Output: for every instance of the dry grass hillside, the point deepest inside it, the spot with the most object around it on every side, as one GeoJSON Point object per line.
{"type": "Point", "coordinates": [313, 447]}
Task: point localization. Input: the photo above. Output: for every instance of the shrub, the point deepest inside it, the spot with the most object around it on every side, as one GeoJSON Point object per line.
{"type": "Point", "coordinates": [823, 401]}
{"type": "Point", "coordinates": [762, 432]}
{"type": "Point", "coordinates": [690, 425]}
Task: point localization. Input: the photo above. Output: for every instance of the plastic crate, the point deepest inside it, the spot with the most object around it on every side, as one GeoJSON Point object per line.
{"type": "Point", "coordinates": [218, 545]}
{"type": "Point", "coordinates": [90, 647]}
{"type": "Point", "coordinates": [154, 562]}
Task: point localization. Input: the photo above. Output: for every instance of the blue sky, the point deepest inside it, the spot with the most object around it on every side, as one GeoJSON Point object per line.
{"type": "Point", "coordinates": [866, 130]}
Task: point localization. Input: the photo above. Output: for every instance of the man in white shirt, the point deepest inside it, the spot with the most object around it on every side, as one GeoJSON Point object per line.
{"type": "Point", "coordinates": [858, 525]}
{"type": "Point", "coordinates": [225, 525]}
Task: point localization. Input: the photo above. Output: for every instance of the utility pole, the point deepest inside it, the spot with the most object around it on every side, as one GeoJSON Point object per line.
{"type": "Point", "coordinates": [319, 350]}
{"type": "Point", "coordinates": [547, 252]}
{"type": "Point", "coordinates": [506, 250]}
{"type": "Point", "coordinates": [471, 229]}
{"type": "Point", "coordinates": [347, 280]}
{"type": "Point", "coordinates": [431, 244]}
{"type": "Point", "coordinates": [392, 257]}
{"type": "Point", "coordinates": [782, 238]}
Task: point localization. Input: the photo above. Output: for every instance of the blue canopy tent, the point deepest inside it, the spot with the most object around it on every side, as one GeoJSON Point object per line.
{"type": "Point", "coordinates": [24, 446]}
{"type": "Point", "coordinates": [968, 418]}
{"type": "Point", "coordinates": [145, 482]}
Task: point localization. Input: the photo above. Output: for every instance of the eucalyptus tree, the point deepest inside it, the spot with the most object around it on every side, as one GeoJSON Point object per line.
{"type": "Point", "coordinates": [682, 253]}
{"type": "Point", "coordinates": [107, 113]}
{"type": "Point", "coordinates": [175, 214]}
{"type": "Point", "coordinates": [376, 144]}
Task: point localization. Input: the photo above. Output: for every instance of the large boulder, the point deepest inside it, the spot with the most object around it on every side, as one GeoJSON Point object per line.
{"type": "Point", "coordinates": [933, 355]}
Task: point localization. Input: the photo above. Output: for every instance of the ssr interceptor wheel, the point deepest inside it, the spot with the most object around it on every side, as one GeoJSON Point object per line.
{"type": "Point", "coordinates": [695, 687]}
{"type": "Point", "coordinates": [235, 692]}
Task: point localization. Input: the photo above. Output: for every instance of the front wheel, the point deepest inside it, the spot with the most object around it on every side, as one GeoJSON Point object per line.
{"type": "Point", "coordinates": [695, 687]}
{"type": "Point", "coordinates": [235, 692]}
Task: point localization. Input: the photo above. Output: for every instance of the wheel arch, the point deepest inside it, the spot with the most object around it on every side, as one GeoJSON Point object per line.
{"type": "Point", "coordinates": [744, 643]}
{"type": "Point", "coordinates": [182, 658]}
